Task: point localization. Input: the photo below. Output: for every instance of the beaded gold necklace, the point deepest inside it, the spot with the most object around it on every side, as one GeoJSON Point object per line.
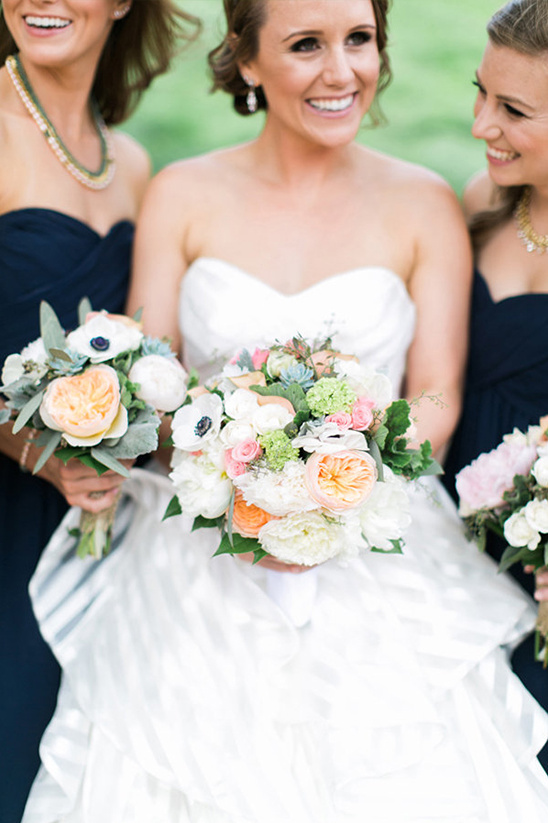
{"type": "Point", "coordinates": [526, 233]}
{"type": "Point", "coordinates": [91, 179]}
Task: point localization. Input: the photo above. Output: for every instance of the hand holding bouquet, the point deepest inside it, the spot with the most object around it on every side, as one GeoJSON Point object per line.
{"type": "Point", "coordinates": [93, 394]}
{"type": "Point", "coordinates": [506, 491]}
{"type": "Point", "coordinates": [297, 452]}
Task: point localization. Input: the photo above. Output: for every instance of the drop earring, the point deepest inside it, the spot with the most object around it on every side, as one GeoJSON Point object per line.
{"type": "Point", "coordinates": [251, 99]}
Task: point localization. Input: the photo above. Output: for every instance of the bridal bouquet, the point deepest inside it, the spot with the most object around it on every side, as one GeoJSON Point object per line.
{"type": "Point", "coordinates": [296, 451]}
{"type": "Point", "coordinates": [93, 394]}
{"type": "Point", "coordinates": [506, 491]}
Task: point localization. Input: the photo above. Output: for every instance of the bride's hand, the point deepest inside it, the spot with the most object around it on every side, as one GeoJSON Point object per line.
{"type": "Point", "coordinates": [275, 564]}
{"type": "Point", "coordinates": [541, 591]}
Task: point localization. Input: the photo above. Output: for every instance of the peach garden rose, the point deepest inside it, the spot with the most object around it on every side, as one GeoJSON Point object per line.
{"type": "Point", "coordinates": [86, 408]}
{"type": "Point", "coordinates": [340, 480]}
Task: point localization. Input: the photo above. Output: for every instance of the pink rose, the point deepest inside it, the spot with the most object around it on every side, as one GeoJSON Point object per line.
{"type": "Point", "coordinates": [481, 485]}
{"type": "Point", "coordinates": [362, 413]}
{"type": "Point", "coordinates": [234, 468]}
{"type": "Point", "coordinates": [340, 480]}
{"type": "Point", "coordinates": [342, 419]}
{"type": "Point", "coordinates": [259, 357]}
{"type": "Point", "coordinates": [246, 451]}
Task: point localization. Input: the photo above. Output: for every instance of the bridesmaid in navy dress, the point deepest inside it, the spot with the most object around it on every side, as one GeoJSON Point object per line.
{"type": "Point", "coordinates": [66, 226]}
{"type": "Point", "coordinates": [507, 377]}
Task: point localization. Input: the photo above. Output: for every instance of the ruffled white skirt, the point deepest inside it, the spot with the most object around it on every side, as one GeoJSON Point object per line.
{"type": "Point", "coordinates": [200, 690]}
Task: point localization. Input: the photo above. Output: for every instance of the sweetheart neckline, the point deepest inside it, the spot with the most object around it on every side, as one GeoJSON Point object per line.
{"type": "Point", "coordinates": [69, 217]}
{"type": "Point", "coordinates": [330, 278]}
{"type": "Point", "coordinates": [503, 300]}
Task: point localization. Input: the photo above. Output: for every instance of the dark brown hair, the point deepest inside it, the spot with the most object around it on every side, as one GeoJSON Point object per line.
{"type": "Point", "coordinates": [140, 46]}
{"type": "Point", "coordinates": [521, 25]}
{"type": "Point", "coordinates": [244, 19]}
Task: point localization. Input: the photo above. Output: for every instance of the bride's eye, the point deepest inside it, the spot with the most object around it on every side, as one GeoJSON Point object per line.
{"type": "Point", "coordinates": [306, 44]}
{"type": "Point", "coordinates": [359, 38]}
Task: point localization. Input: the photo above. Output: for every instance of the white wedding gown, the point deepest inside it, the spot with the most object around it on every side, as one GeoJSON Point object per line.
{"type": "Point", "coordinates": [200, 690]}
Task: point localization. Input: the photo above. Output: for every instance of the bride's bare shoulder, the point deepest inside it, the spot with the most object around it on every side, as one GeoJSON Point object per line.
{"type": "Point", "coordinates": [196, 178]}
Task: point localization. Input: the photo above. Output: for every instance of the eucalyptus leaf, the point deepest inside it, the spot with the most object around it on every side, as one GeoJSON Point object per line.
{"type": "Point", "coordinates": [27, 411]}
{"type": "Point", "coordinates": [104, 456]}
{"type": "Point", "coordinates": [84, 308]}
{"type": "Point", "coordinates": [51, 331]}
{"type": "Point", "coordinates": [50, 440]}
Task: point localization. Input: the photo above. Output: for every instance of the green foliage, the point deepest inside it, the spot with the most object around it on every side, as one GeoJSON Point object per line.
{"type": "Point", "coordinates": [240, 545]}
{"type": "Point", "coordinates": [173, 508]}
{"type": "Point", "coordinates": [51, 330]}
{"type": "Point", "coordinates": [391, 441]}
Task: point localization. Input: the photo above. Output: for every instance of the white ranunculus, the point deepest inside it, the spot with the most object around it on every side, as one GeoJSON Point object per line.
{"type": "Point", "coordinates": [103, 338]}
{"type": "Point", "coordinates": [241, 404]}
{"type": "Point", "coordinates": [366, 382]}
{"type": "Point", "coordinates": [540, 471]}
{"type": "Point", "coordinates": [201, 487]}
{"type": "Point", "coordinates": [386, 513]}
{"type": "Point", "coordinates": [536, 512]}
{"type": "Point", "coordinates": [199, 422]}
{"type": "Point", "coordinates": [162, 381]}
{"type": "Point", "coordinates": [270, 417]}
{"type": "Point", "coordinates": [278, 493]}
{"type": "Point", "coordinates": [307, 538]}
{"type": "Point", "coordinates": [518, 532]}
{"type": "Point", "coordinates": [236, 431]}
{"type": "Point", "coordinates": [327, 437]}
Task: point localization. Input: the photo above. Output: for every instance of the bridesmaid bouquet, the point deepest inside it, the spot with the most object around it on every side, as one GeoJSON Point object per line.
{"type": "Point", "coordinates": [93, 394]}
{"type": "Point", "coordinates": [506, 491]}
{"type": "Point", "coordinates": [297, 452]}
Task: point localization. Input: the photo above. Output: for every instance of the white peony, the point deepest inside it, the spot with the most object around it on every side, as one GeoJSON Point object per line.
{"type": "Point", "coordinates": [366, 382]}
{"type": "Point", "coordinates": [540, 471]}
{"type": "Point", "coordinates": [199, 422]}
{"type": "Point", "coordinates": [278, 493]}
{"type": "Point", "coordinates": [201, 486]}
{"type": "Point", "coordinates": [241, 404]}
{"type": "Point", "coordinates": [271, 417]}
{"type": "Point", "coordinates": [162, 381]}
{"type": "Point", "coordinates": [328, 437]}
{"type": "Point", "coordinates": [307, 538]}
{"type": "Point", "coordinates": [235, 432]}
{"type": "Point", "coordinates": [536, 513]}
{"type": "Point", "coordinates": [518, 532]}
{"type": "Point", "coordinates": [103, 338]}
{"type": "Point", "coordinates": [386, 514]}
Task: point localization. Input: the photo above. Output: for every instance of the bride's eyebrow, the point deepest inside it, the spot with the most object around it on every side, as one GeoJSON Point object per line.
{"type": "Point", "coordinates": [318, 32]}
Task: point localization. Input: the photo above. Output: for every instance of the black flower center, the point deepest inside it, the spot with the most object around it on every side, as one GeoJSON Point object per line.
{"type": "Point", "coordinates": [203, 426]}
{"type": "Point", "coordinates": [99, 343]}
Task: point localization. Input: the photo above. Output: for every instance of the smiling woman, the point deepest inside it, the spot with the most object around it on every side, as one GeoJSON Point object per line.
{"type": "Point", "coordinates": [70, 192]}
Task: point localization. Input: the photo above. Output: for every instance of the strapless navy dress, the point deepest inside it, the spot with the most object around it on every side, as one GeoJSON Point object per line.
{"type": "Point", "coordinates": [44, 255]}
{"type": "Point", "coordinates": [506, 387]}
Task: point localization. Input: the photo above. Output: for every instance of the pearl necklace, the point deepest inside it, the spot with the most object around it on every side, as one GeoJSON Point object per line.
{"type": "Point", "coordinates": [91, 179]}
{"type": "Point", "coordinates": [526, 233]}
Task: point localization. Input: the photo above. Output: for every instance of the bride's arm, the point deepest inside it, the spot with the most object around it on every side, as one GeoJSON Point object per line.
{"type": "Point", "coordinates": [440, 287]}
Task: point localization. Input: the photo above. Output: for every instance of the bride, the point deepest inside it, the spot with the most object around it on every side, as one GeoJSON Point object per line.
{"type": "Point", "coordinates": [194, 689]}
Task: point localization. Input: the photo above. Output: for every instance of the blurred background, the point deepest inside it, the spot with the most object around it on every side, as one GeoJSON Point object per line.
{"type": "Point", "coordinates": [435, 47]}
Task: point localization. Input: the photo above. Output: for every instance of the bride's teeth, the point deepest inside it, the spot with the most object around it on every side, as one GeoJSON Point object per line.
{"type": "Point", "coordinates": [332, 104]}
{"type": "Point", "coordinates": [47, 22]}
{"type": "Point", "coordinates": [497, 154]}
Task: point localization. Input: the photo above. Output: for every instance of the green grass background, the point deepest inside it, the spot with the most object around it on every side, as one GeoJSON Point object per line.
{"type": "Point", "coordinates": [435, 47]}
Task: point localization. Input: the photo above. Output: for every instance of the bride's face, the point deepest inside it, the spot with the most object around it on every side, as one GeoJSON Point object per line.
{"type": "Point", "coordinates": [318, 65]}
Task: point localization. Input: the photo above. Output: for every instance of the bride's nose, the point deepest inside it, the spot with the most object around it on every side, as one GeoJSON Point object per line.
{"type": "Point", "coordinates": [337, 69]}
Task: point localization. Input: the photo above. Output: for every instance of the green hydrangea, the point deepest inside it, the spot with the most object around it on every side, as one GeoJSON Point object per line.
{"type": "Point", "coordinates": [329, 395]}
{"type": "Point", "coordinates": [278, 449]}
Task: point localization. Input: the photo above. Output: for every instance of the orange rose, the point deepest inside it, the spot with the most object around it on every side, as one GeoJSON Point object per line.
{"type": "Point", "coordinates": [340, 480]}
{"type": "Point", "coordinates": [248, 519]}
{"type": "Point", "coordinates": [86, 408]}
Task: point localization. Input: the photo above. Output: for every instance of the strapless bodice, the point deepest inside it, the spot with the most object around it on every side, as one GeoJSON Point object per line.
{"type": "Point", "coordinates": [367, 311]}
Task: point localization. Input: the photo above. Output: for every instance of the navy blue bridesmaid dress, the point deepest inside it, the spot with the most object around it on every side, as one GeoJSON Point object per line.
{"type": "Point", "coordinates": [506, 386]}
{"type": "Point", "coordinates": [44, 255]}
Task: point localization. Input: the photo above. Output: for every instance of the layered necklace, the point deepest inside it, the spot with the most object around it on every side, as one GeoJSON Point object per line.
{"type": "Point", "coordinates": [526, 233]}
{"type": "Point", "coordinates": [91, 179]}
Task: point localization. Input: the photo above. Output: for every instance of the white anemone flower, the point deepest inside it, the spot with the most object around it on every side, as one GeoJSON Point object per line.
{"type": "Point", "coordinates": [197, 423]}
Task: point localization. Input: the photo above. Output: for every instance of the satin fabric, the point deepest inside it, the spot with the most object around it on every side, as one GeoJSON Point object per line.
{"type": "Point", "coordinates": [206, 690]}
{"type": "Point", "coordinates": [44, 255]}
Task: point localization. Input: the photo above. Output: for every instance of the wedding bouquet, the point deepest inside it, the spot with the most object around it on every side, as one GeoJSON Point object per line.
{"type": "Point", "coordinates": [506, 491]}
{"type": "Point", "coordinates": [93, 394]}
{"type": "Point", "coordinates": [297, 452]}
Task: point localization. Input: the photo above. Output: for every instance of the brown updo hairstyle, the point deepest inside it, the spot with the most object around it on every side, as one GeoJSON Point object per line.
{"type": "Point", "coordinates": [521, 25]}
{"type": "Point", "coordinates": [244, 19]}
{"type": "Point", "coordinates": [140, 46]}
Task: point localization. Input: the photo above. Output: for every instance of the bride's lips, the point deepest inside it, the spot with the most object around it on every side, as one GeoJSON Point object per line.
{"type": "Point", "coordinates": [43, 25]}
{"type": "Point", "coordinates": [500, 157]}
{"type": "Point", "coordinates": [332, 106]}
